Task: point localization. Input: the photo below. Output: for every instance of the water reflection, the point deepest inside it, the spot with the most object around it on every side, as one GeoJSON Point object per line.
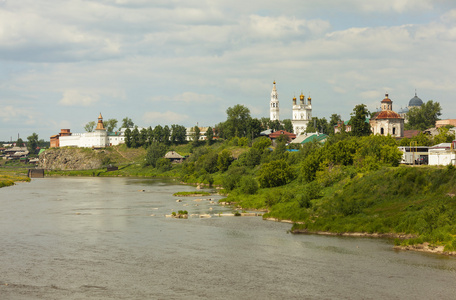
{"type": "Point", "coordinates": [108, 238]}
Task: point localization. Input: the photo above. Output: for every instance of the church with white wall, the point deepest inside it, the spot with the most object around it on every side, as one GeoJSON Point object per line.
{"type": "Point", "coordinates": [301, 115]}
{"type": "Point", "coordinates": [99, 138]}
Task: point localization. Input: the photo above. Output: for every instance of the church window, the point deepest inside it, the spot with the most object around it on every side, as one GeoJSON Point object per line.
{"type": "Point", "coordinates": [394, 130]}
{"type": "Point", "coordinates": [381, 131]}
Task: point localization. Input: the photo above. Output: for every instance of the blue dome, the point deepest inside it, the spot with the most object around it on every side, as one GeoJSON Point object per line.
{"type": "Point", "coordinates": [415, 101]}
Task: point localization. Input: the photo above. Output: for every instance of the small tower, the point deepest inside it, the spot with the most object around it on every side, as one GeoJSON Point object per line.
{"type": "Point", "coordinates": [100, 125]}
{"type": "Point", "coordinates": [274, 105]}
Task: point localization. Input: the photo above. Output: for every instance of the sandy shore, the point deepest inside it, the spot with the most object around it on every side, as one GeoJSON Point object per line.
{"type": "Point", "coordinates": [426, 247]}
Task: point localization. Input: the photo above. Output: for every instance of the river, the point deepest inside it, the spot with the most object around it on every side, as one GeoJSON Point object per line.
{"type": "Point", "coordinates": [108, 238]}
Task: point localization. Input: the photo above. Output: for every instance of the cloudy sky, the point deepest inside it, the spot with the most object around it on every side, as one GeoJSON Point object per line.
{"type": "Point", "coordinates": [186, 61]}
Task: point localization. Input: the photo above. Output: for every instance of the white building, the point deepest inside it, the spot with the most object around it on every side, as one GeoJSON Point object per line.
{"type": "Point", "coordinates": [274, 104]}
{"type": "Point", "coordinates": [387, 122]}
{"type": "Point", "coordinates": [99, 138]}
{"type": "Point", "coordinates": [301, 115]}
{"type": "Point", "coordinates": [442, 154]}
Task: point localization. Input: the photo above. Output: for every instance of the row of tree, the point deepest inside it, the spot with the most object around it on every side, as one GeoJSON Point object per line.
{"type": "Point", "coordinates": [239, 123]}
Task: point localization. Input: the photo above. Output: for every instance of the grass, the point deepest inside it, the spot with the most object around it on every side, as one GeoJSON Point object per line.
{"type": "Point", "coordinates": [9, 176]}
{"type": "Point", "coordinates": [196, 194]}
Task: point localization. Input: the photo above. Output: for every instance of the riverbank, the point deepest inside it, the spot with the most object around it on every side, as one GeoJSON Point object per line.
{"type": "Point", "coordinates": [10, 176]}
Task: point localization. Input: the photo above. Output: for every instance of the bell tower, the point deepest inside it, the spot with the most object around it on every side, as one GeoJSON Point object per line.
{"type": "Point", "coordinates": [274, 104]}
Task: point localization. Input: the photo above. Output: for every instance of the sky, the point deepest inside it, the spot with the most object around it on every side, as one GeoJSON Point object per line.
{"type": "Point", "coordinates": [185, 62]}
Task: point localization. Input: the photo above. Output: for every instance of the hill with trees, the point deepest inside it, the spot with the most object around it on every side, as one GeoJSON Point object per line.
{"type": "Point", "coordinates": [352, 183]}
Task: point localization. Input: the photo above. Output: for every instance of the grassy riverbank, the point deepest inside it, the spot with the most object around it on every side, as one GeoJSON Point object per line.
{"type": "Point", "coordinates": [418, 203]}
{"type": "Point", "coordinates": [349, 185]}
{"type": "Point", "coordinates": [9, 176]}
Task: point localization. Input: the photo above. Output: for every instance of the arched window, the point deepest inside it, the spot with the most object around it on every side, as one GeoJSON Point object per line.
{"type": "Point", "coordinates": [394, 130]}
{"type": "Point", "coordinates": [381, 131]}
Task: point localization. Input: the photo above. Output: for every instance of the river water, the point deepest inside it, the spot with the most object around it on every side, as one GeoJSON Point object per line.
{"type": "Point", "coordinates": [108, 238]}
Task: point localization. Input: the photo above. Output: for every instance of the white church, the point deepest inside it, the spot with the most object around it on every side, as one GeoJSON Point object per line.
{"type": "Point", "coordinates": [302, 111]}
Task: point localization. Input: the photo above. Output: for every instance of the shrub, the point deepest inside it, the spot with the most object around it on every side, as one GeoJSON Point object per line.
{"type": "Point", "coordinates": [163, 164]}
{"type": "Point", "coordinates": [248, 185]}
{"type": "Point", "coordinates": [275, 173]}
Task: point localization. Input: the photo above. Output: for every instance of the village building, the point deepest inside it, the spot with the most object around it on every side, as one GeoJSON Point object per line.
{"type": "Point", "coordinates": [387, 122]}
{"type": "Point", "coordinates": [442, 123]}
{"type": "Point", "coordinates": [174, 157]}
{"type": "Point", "coordinates": [310, 138]}
{"type": "Point", "coordinates": [276, 134]}
{"type": "Point", "coordinates": [442, 154]}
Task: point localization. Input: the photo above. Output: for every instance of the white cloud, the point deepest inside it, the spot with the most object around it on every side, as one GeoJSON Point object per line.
{"type": "Point", "coordinates": [75, 98]}
{"type": "Point", "coordinates": [165, 118]}
{"type": "Point", "coordinates": [186, 97]}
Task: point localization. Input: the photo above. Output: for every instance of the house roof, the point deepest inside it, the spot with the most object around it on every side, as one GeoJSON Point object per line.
{"type": "Point", "coordinates": [441, 146]}
{"type": "Point", "coordinates": [411, 133]}
{"type": "Point", "coordinates": [278, 133]}
{"type": "Point", "coordinates": [386, 114]}
{"type": "Point", "coordinates": [266, 132]}
{"type": "Point", "coordinates": [321, 137]}
{"type": "Point", "coordinates": [173, 154]}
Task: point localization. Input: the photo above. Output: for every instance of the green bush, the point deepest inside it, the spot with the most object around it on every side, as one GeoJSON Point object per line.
{"type": "Point", "coordinates": [248, 185]}
{"type": "Point", "coordinates": [275, 173]}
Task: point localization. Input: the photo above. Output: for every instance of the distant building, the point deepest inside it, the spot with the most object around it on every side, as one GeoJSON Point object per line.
{"type": "Point", "coordinates": [274, 104]}
{"type": "Point", "coordinates": [309, 138]}
{"type": "Point", "coordinates": [174, 157]}
{"type": "Point", "coordinates": [99, 138]}
{"type": "Point", "coordinates": [414, 102]}
{"type": "Point", "coordinates": [301, 115]}
{"type": "Point", "coordinates": [441, 123]}
{"type": "Point", "coordinates": [276, 134]}
{"type": "Point", "coordinates": [387, 122]}
{"type": "Point", "coordinates": [442, 154]}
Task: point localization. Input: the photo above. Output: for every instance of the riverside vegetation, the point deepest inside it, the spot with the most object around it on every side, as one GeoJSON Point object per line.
{"type": "Point", "coordinates": [349, 184]}
{"type": "Point", "coordinates": [352, 183]}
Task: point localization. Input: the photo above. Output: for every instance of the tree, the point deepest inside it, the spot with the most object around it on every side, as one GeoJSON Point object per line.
{"type": "Point", "coordinates": [32, 143]}
{"type": "Point", "coordinates": [150, 136]}
{"type": "Point", "coordinates": [19, 143]}
{"type": "Point", "coordinates": [135, 142]}
{"type": "Point", "coordinates": [143, 140]}
{"type": "Point", "coordinates": [196, 135]}
{"type": "Point", "coordinates": [224, 160]}
{"type": "Point", "coordinates": [255, 128]}
{"type": "Point", "coordinates": [209, 135]}
{"type": "Point", "coordinates": [178, 134]}
{"type": "Point", "coordinates": [127, 123]}
{"type": "Point", "coordinates": [110, 125]}
{"type": "Point", "coordinates": [333, 121]}
{"type": "Point", "coordinates": [128, 137]}
{"type": "Point", "coordinates": [154, 153]}
{"type": "Point", "coordinates": [166, 135]}
{"type": "Point", "coordinates": [319, 125]}
{"type": "Point", "coordinates": [275, 173]}
{"type": "Point", "coordinates": [275, 125]}
{"type": "Point", "coordinates": [288, 126]}
{"type": "Point", "coordinates": [158, 134]}
{"type": "Point", "coordinates": [89, 126]}
{"type": "Point", "coordinates": [237, 121]}
{"type": "Point", "coordinates": [423, 117]}
{"type": "Point", "coordinates": [359, 126]}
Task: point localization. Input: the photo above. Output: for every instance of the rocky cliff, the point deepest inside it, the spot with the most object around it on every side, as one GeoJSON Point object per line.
{"type": "Point", "coordinates": [71, 159]}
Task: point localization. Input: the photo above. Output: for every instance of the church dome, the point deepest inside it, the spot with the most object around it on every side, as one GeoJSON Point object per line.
{"type": "Point", "coordinates": [415, 101]}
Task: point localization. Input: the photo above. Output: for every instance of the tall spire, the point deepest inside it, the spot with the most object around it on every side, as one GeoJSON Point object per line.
{"type": "Point", "coordinates": [274, 104]}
